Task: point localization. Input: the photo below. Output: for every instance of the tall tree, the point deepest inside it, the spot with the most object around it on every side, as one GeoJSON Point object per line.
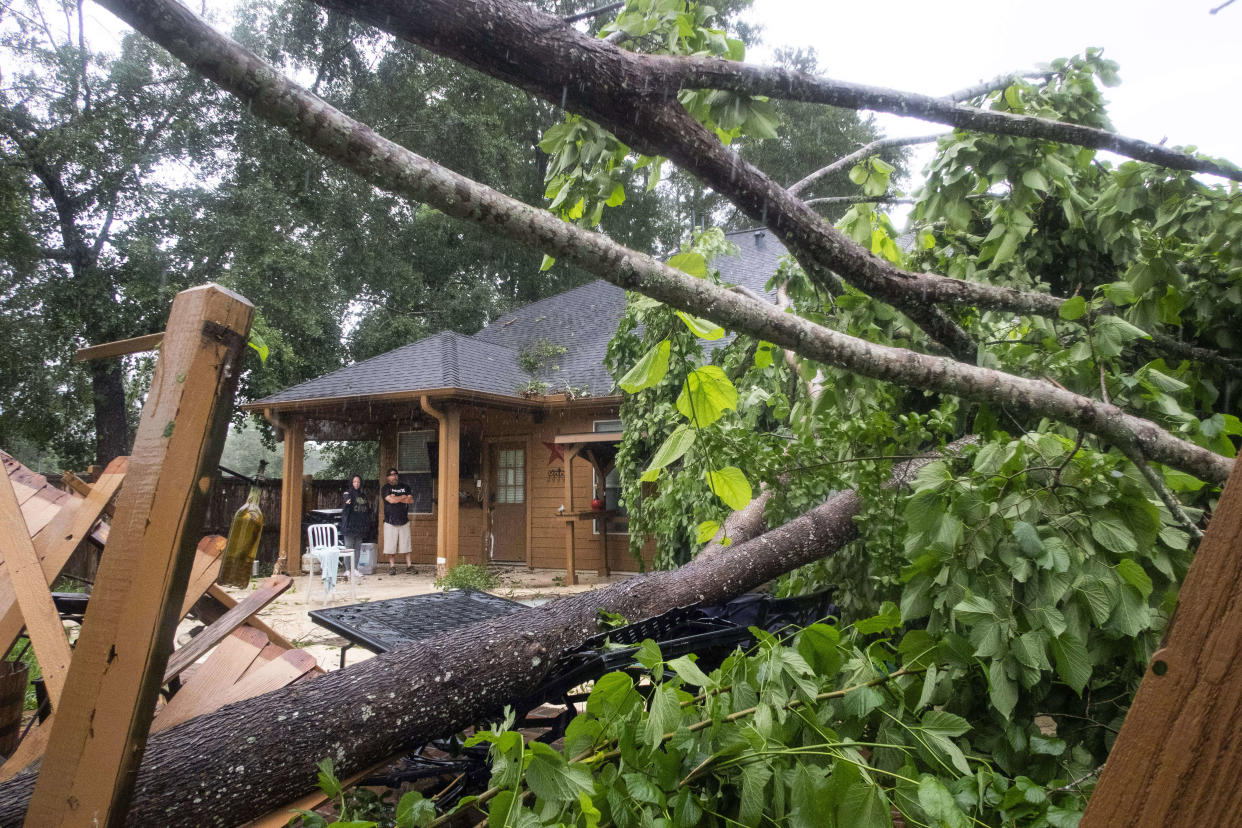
{"type": "Point", "coordinates": [86, 140]}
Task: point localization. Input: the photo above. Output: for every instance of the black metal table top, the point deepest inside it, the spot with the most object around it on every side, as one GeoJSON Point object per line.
{"type": "Point", "coordinates": [381, 626]}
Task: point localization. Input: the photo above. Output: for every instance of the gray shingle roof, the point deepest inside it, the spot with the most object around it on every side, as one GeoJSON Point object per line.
{"type": "Point", "coordinates": [581, 320]}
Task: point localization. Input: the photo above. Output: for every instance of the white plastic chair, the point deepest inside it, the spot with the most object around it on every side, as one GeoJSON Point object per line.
{"type": "Point", "coordinates": [325, 549]}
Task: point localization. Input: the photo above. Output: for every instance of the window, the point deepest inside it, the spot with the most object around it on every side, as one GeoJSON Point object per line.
{"type": "Point", "coordinates": [414, 463]}
{"type": "Point", "coordinates": [606, 426]}
{"type": "Point", "coordinates": [511, 475]}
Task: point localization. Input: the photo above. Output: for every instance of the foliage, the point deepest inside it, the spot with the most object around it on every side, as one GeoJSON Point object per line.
{"type": "Point", "coordinates": [1042, 558]}
{"type": "Point", "coordinates": [832, 727]}
{"type": "Point", "coordinates": [468, 576]}
{"type": "Point", "coordinates": [362, 807]}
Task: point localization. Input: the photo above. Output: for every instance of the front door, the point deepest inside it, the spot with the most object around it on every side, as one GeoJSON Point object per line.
{"type": "Point", "coordinates": [508, 502]}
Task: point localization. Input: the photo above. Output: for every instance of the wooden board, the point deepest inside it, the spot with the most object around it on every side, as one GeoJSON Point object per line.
{"type": "Point", "coordinates": [1176, 761]}
{"type": "Point", "coordinates": [57, 541]}
{"type": "Point", "coordinates": [43, 625]}
{"type": "Point", "coordinates": [267, 592]}
{"type": "Point", "coordinates": [100, 732]}
{"type": "Point", "coordinates": [227, 664]}
{"type": "Point", "coordinates": [207, 560]}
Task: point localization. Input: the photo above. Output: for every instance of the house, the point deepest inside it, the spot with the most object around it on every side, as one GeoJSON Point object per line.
{"type": "Point", "coordinates": [506, 435]}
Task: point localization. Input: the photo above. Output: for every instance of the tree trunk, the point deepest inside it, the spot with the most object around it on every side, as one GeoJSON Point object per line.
{"type": "Point", "coordinates": [242, 761]}
{"type": "Point", "coordinates": [111, 424]}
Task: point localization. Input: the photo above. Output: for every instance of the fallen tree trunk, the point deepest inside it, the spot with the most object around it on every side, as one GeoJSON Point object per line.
{"type": "Point", "coordinates": [238, 763]}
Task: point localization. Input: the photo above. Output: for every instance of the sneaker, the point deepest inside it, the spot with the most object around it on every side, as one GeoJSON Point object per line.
{"type": "Point", "coordinates": [409, 570]}
{"type": "Point", "coordinates": [392, 570]}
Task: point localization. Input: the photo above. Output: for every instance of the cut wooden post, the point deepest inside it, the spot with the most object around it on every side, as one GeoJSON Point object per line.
{"type": "Point", "coordinates": [47, 633]}
{"type": "Point", "coordinates": [1176, 761]}
{"type": "Point", "coordinates": [571, 518]}
{"type": "Point", "coordinates": [100, 731]}
{"type": "Point", "coordinates": [207, 560]}
{"type": "Point", "coordinates": [291, 495]}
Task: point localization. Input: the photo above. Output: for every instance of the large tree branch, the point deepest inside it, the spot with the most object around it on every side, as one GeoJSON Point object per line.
{"type": "Point", "coordinates": [271, 96]}
{"type": "Point", "coordinates": [847, 161]}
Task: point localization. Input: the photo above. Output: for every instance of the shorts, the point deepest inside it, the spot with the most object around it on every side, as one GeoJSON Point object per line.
{"type": "Point", "coordinates": [396, 539]}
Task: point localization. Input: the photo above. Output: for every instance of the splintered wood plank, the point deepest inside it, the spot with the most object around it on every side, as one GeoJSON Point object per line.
{"type": "Point", "coordinates": [100, 731]}
{"type": "Point", "coordinates": [267, 592]}
{"type": "Point", "coordinates": [289, 667]}
{"type": "Point", "coordinates": [231, 660]}
{"type": "Point", "coordinates": [43, 625]}
{"type": "Point", "coordinates": [207, 560]}
{"type": "Point", "coordinates": [1176, 761]}
{"type": "Point", "coordinates": [28, 750]}
{"type": "Point", "coordinates": [57, 541]}
{"type": "Point", "coordinates": [121, 347]}
{"type": "Point", "coordinates": [217, 602]}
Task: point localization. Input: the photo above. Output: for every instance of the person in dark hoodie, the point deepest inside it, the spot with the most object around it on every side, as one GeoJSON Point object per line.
{"type": "Point", "coordinates": [357, 518]}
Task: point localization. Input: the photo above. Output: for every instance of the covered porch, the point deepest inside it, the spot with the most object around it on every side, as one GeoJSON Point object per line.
{"type": "Point", "coordinates": [497, 479]}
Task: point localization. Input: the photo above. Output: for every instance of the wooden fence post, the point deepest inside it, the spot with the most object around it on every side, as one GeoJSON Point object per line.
{"type": "Point", "coordinates": [1176, 761]}
{"type": "Point", "coordinates": [100, 732]}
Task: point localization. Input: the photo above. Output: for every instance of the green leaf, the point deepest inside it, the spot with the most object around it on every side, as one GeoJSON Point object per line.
{"type": "Point", "coordinates": [706, 531]}
{"type": "Point", "coordinates": [613, 695]}
{"type": "Point", "coordinates": [817, 644]}
{"type": "Point", "coordinates": [864, 806]}
{"type": "Point", "coordinates": [935, 799]}
{"type": "Point", "coordinates": [1133, 574]}
{"type": "Point", "coordinates": [702, 328]}
{"type": "Point", "coordinates": [413, 811]}
{"type": "Point", "coordinates": [617, 198]}
{"type": "Point", "coordinates": [691, 263]}
{"type": "Point", "coordinates": [1035, 180]}
{"type": "Point", "coordinates": [1002, 690]}
{"type": "Point", "coordinates": [590, 813]}
{"type": "Point", "coordinates": [975, 608]}
{"type": "Point", "coordinates": [1073, 308]}
{"type": "Point", "coordinates": [944, 723]}
{"type": "Point", "coordinates": [754, 802]}
{"type": "Point", "coordinates": [677, 444]}
{"type": "Point", "coordinates": [255, 341]}
{"type": "Point", "coordinates": [649, 370]}
{"type": "Point", "coordinates": [685, 667]}
{"type": "Point", "coordinates": [328, 783]}
{"type": "Point", "coordinates": [1112, 533]}
{"type": "Point", "coordinates": [1028, 538]}
{"type": "Point", "coordinates": [547, 263]}
{"type": "Point", "coordinates": [551, 778]}
{"type": "Point", "coordinates": [888, 618]}
{"type": "Point", "coordinates": [705, 395]}
{"type": "Point", "coordinates": [763, 354]}
{"type": "Point", "coordinates": [730, 485]}
{"type": "Point", "coordinates": [649, 655]}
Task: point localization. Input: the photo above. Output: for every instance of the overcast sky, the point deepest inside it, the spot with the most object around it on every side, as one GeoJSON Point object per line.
{"type": "Point", "coordinates": [1181, 67]}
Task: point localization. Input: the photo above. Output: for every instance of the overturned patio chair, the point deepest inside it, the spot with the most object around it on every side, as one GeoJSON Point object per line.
{"type": "Point", "coordinates": [326, 550]}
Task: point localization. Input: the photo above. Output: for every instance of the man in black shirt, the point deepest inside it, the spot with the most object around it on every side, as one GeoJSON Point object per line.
{"type": "Point", "coordinates": [397, 499]}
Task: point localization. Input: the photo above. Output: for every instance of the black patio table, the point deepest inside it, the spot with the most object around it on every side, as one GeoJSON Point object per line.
{"type": "Point", "coordinates": [381, 626]}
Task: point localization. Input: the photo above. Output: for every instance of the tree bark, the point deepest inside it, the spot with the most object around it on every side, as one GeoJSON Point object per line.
{"type": "Point", "coordinates": [111, 423]}
{"type": "Point", "coordinates": [275, 98]}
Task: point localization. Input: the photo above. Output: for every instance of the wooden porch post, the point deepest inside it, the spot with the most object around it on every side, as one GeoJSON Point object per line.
{"type": "Point", "coordinates": [571, 517]}
{"type": "Point", "coordinates": [387, 460]}
{"type": "Point", "coordinates": [450, 474]}
{"type": "Point", "coordinates": [291, 495]}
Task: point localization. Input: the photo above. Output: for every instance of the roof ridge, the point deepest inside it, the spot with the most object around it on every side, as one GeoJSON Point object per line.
{"type": "Point", "coordinates": [539, 302]}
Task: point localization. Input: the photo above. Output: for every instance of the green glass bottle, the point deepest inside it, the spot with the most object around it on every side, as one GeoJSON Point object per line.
{"type": "Point", "coordinates": [244, 535]}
